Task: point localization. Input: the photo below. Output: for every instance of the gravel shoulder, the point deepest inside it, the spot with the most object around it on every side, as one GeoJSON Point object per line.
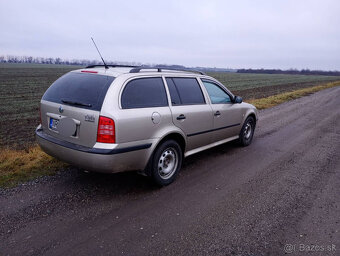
{"type": "Point", "coordinates": [283, 189]}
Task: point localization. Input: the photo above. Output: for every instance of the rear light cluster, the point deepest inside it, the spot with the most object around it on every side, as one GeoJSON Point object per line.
{"type": "Point", "coordinates": [106, 130]}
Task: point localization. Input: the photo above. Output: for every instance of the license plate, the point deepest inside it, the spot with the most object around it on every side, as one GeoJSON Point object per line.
{"type": "Point", "coordinates": [53, 123]}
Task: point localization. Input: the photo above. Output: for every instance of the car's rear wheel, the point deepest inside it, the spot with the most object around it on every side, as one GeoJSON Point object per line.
{"type": "Point", "coordinates": [166, 162]}
{"type": "Point", "coordinates": [247, 131]}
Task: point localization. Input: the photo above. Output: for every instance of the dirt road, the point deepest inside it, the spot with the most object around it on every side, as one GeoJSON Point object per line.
{"type": "Point", "coordinates": [279, 195]}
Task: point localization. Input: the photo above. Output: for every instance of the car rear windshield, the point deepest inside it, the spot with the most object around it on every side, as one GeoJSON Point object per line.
{"type": "Point", "coordinates": [80, 90]}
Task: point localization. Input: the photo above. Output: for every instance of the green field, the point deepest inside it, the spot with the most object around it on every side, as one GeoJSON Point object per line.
{"type": "Point", "coordinates": [22, 86]}
{"type": "Point", "coordinates": [238, 81]}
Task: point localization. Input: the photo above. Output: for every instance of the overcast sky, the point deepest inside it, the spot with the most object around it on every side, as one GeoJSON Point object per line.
{"type": "Point", "coordinates": [234, 34]}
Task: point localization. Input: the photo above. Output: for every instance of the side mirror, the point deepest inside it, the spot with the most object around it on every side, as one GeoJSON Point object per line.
{"type": "Point", "coordinates": [237, 99]}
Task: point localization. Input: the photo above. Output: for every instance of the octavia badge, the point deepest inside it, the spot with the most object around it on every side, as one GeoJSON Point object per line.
{"type": "Point", "coordinates": [61, 110]}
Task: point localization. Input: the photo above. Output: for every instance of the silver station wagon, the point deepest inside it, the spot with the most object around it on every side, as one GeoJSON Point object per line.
{"type": "Point", "coordinates": [118, 118]}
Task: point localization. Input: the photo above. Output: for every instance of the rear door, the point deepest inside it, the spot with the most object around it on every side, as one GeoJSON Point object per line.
{"type": "Point", "coordinates": [190, 112]}
{"type": "Point", "coordinates": [227, 116]}
{"type": "Point", "coordinates": [71, 105]}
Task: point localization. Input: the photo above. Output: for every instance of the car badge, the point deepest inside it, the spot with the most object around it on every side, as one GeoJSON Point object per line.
{"type": "Point", "coordinates": [90, 118]}
{"type": "Point", "coordinates": [61, 110]}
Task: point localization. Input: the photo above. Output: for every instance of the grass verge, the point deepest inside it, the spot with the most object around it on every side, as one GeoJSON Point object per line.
{"type": "Point", "coordinates": [274, 100]}
{"type": "Point", "coordinates": [18, 166]}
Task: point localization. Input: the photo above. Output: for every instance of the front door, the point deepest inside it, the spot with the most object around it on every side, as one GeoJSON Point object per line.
{"type": "Point", "coordinates": [227, 116]}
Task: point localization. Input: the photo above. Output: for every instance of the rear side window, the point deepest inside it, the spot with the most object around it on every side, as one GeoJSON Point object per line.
{"type": "Point", "coordinates": [185, 91]}
{"type": "Point", "coordinates": [80, 90]}
{"type": "Point", "coordinates": [175, 99]}
{"type": "Point", "coordinates": [144, 93]}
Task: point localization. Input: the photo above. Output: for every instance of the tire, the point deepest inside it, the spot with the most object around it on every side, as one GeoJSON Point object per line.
{"type": "Point", "coordinates": [247, 131]}
{"type": "Point", "coordinates": [166, 163]}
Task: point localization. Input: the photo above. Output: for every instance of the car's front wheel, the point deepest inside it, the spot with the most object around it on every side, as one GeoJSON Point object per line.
{"type": "Point", "coordinates": [247, 131]}
{"type": "Point", "coordinates": [166, 162]}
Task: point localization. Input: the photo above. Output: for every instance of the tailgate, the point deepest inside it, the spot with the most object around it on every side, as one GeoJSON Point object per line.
{"type": "Point", "coordinates": [68, 123]}
{"type": "Point", "coordinates": [71, 106]}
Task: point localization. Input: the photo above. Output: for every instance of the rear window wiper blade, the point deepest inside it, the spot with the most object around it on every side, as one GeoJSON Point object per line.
{"type": "Point", "coordinates": [76, 103]}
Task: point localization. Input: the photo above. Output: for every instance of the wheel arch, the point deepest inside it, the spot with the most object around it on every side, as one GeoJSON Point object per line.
{"type": "Point", "coordinates": [252, 115]}
{"type": "Point", "coordinates": [179, 138]}
{"type": "Point", "coordinates": [250, 112]}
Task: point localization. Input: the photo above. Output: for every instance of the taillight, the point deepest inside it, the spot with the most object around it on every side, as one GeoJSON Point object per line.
{"type": "Point", "coordinates": [106, 130]}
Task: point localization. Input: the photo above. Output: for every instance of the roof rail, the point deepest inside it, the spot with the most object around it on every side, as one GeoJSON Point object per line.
{"type": "Point", "coordinates": [160, 69]}
{"type": "Point", "coordinates": [112, 66]}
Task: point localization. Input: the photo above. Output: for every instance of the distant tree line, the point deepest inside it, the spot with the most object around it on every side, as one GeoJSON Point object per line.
{"type": "Point", "coordinates": [57, 61]}
{"type": "Point", "coordinates": [290, 71]}
{"type": "Point", "coordinates": [84, 62]}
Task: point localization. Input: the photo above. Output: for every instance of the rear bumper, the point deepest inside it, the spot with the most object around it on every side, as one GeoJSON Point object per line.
{"type": "Point", "coordinates": [124, 157]}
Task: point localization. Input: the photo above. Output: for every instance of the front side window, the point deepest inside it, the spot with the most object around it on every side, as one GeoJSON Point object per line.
{"type": "Point", "coordinates": [144, 93]}
{"type": "Point", "coordinates": [216, 94]}
{"type": "Point", "coordinates": [185, 91]}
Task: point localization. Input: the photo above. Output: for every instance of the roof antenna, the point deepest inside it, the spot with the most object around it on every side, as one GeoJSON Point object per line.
{"type": "Point", "coordinates": [106, 66]}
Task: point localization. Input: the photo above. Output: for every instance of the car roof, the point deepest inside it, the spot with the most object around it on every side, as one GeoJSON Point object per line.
{"type": "Point", "coordinates": [126, 72]}
{"type": "Point", "coordinates": [120, 70]}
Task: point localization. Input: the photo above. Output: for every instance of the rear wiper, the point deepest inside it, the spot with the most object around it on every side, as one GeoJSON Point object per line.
{"type": "Point", "coordinates": [76, 103]}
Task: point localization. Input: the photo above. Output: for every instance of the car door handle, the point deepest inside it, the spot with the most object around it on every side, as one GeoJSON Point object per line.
{"type": "Point", "coordinates": [217, 113]}
{"type": "Point", "coordinates": [181, 117]}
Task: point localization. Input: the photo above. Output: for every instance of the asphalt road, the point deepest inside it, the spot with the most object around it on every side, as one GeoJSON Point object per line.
{"type": "Point", "coordinates": [279, 194]}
